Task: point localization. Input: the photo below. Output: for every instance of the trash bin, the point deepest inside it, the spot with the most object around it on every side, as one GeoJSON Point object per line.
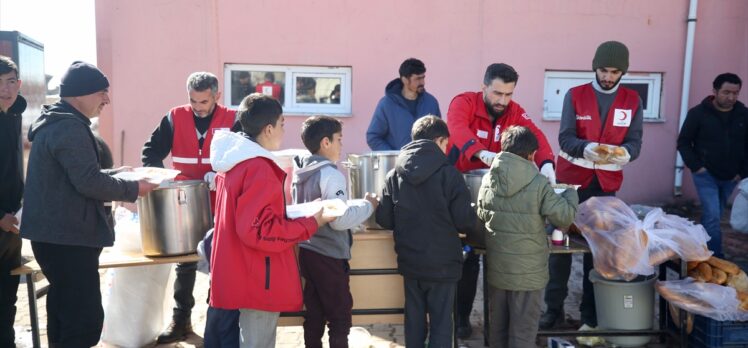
{"type": "Point", "coordinates": [624, 305]}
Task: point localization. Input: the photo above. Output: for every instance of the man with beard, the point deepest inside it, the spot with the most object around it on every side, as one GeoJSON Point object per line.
{"type": "Point", "coordinates": [405, 100]}
{"type": "Point", "coordinates": [186, 132]}
{"type": "Point", "coordinates": [713, 145]}
{"type": "Point", "coordinates": [600, 114]}
{"type": "Point", "coordinates": [475, 121]}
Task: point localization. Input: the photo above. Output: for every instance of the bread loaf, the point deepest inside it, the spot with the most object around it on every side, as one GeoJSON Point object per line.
{"type": "Point", "coordinates": [743, 298]}
{"type": "Point", "coordinates": [718, 276]}
{"type": "Point", "coordinates": [727, 266]}
{"type": "Point", "coordinates": [738, 281]}
{"type": "Point", "coordinates": [691, 265]}
{"type": "Point", "coordinates": [705, 270]}
{"type": "Point", "coordinates": [660, 256]}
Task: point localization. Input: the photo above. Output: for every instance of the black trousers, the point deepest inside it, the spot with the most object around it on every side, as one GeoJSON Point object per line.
{"type": "Point", "coordinates": [327, 297]}
{"type": "Point", "coordinates": [559, 267]}
{"type": "Point", "coordinates": [435, 299]}
{"type": "Point", "coordinates": [467, 286]}
{"type": "Point", "coordinates": [75, 315]}
{"type": "Point", "coordinates": [184, 284]}
{"type": "Point", "coordinates": [10, 258]}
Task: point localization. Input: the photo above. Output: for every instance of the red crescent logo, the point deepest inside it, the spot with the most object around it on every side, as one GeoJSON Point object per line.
{"type": "Point", "coordinates": [623, 113]}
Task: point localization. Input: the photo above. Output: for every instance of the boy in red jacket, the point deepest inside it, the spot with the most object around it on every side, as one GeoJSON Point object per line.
{"type": "Point", "coordinates": [253, 266]}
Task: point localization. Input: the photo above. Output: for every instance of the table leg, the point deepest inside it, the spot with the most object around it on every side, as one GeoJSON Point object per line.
{"type": "Point", "coordinates": [486, 315]}
{"type": "Point", "coordinates": [33, 315]}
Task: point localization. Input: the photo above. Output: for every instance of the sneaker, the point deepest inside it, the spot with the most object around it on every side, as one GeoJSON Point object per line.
{"type": "Point", "coordinates": [177, 331]}
{"type": "Point", "coordinates": [549, 320]}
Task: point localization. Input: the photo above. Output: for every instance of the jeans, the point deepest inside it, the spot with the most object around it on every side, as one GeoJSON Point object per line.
{"type": "Point", "coordinates": [713, 194]}
{"type": "Point", "coordinates": [221, 328]}
{"type": "Point", "coordinates": [434, 300]}
{"type": "Point", "coordinates": [257, 328]}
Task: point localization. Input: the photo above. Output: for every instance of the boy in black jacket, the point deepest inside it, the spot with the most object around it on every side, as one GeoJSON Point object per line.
{"type": "Point", "coordinates": [426, 202]}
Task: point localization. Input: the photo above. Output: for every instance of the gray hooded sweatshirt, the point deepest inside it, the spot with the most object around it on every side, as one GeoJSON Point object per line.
{"type": "Point", "coordinates": [319, 178]}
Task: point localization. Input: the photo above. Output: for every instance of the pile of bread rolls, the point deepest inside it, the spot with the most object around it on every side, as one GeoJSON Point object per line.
{"type": "Point", "coordinates": [721, 272]}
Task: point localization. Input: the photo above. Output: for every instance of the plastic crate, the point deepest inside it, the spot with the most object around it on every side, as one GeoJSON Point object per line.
{"type": "Point", "coordinates": [710, 333]}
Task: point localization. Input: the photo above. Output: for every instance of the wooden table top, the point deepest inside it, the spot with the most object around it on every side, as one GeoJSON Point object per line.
{"type": "Point", "coordinates": [114, 259]}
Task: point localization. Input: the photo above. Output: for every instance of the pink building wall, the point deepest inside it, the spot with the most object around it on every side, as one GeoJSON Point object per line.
{"type": "Point", "coordinates": [149, 47]}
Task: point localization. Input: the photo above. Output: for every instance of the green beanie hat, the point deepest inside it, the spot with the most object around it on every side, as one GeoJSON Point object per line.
{"type": "Point", "coordinates": [611, 54]}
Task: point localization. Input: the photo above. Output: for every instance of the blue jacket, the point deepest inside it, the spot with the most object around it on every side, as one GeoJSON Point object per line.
{"type": "Point", "coordinates": [392, 121]}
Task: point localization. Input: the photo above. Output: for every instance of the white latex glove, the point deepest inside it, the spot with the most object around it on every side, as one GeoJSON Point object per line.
{"type": "Point", "coordinates": [621, 160]}
{"type": "Point", "coordinates": [486, 157]}
{"type": "Point", "coordinates": [590, 154]}
{"type": "Point", "coordinates": [210, 178]}
{"type": "Point", "coordinates": [548, 171]}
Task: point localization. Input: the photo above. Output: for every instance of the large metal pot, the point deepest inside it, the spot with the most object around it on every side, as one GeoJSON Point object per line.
{"type": "Point", "coordinates": [473, 179]}
{"type": "Point", "coordinates": [173, 219]}
{"type": "Point", "coordinates": [367, 173]}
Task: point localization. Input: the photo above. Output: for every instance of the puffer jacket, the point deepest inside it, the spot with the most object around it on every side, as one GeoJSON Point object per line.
{"type": "Point", "coordinates": [515, 200]}
{"type": "Point", "coordinates": [252, 262]}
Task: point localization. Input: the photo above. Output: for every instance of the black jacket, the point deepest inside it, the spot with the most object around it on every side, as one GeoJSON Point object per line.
{"type": "Point", "coordinates": [11, 184]}
{"type": "Point", "coordinates": [65, 186]}
{"type": "Point", "coordinates": [719, 145]}
{"type": "Point", "coordinates": [426, 203]}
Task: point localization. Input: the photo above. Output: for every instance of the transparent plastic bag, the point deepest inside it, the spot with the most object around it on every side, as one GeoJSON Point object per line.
{"type": "Point", "coordinates": [134, 305]}
{"type": "Point", "coordinates": [739, 213]}
{"type": "Point", "coordinates": [624, 247]}
{"type": "Point", "coordinates": [706, 299]}
{"type": "Point", "coordinates": [616, 238]}
{"type": "Point", "coordinates": [673, 235]}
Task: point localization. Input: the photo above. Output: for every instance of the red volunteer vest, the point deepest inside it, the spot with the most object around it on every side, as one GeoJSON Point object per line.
{"type": "Point", "coordinates": [588, 124]}
{"type": "Point", "coordinates": [269, 88]}
{"type": "Point", "coordinates": [186, 154]}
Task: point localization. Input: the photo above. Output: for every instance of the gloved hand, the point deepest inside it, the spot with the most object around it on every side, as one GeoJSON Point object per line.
{"type": "Point", "coordinates": [548, 171]}
{"type": "Point", "coordinates": [590, 154]}
{"type": "Point", "coordinates": [486, 157]}
{"type": "Point", "coordinates": [210, 178]}
{"type": "Point", "coordinates": [620, 159]}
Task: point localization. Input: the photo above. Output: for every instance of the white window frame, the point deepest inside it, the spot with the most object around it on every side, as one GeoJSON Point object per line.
{"type": "Point", "coordinates": [652, 110]}
{"type": "Point", "coordinates": [291, 107]}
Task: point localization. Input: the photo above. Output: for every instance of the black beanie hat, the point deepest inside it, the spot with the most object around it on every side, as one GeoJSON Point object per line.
{"type": "Point", "coordinates": [82, 79]}
{"type": "Point", "coordinates": [611, 54]}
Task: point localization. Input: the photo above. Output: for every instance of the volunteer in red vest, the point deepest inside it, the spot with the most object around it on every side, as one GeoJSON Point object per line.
{"type": "Point", "coordinates": [475, 121]}
{"type": "Point", "coordinates": [186, 132]}
{"type": "Point", "coordinates": [597, 114]}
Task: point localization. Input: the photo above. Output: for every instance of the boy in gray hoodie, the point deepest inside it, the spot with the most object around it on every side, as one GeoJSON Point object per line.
{"type": "Point", "coordinates": [324, 258]}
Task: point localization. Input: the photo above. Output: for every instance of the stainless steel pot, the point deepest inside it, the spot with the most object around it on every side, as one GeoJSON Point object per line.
{"type": "Point", "coordinates": [473, 179]}
{"type": "Point", "coordinates": [367, 173]}
{"type": "Point", "coordinates": [174, 219]}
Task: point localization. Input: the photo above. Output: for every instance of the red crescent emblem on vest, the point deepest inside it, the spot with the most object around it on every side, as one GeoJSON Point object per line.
{"type": "Point", "coordinates": [622, 113]}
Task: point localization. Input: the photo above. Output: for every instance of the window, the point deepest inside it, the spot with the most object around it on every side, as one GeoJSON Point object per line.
{"type": "Point", "coordinates": [302, 90]}
{"type": "Point", "coordinates": [557, 83]}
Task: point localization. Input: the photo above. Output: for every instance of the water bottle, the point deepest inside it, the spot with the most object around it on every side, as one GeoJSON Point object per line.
{"type": "Point", "coordinates": [465, 251]}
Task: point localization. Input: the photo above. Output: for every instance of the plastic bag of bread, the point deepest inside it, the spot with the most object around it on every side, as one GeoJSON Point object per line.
{"type": "Point", "coordinates": [710, 300]}
{"type": "Point", "coordinates": [624, 247]}
{"type": "Point", "coordinates": [672, 236]}
{"type": "Point", "coordinates": [616, 238]}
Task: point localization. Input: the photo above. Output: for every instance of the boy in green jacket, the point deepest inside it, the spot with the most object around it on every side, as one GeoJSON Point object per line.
{"type": "Point", "coordinates": [515, 200]}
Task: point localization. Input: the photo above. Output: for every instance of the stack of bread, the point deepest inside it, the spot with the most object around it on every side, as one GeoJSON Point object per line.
{"type": "Point", "coordinates": [721, 272]}
{"type": "Point", "coordinates": [607, 151]}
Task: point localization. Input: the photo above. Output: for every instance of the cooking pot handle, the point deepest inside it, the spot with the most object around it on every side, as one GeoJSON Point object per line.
{"type": "Point", "coordinates": [349, 165]}
{"type": "Point", "coordinates": [181, 197]}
